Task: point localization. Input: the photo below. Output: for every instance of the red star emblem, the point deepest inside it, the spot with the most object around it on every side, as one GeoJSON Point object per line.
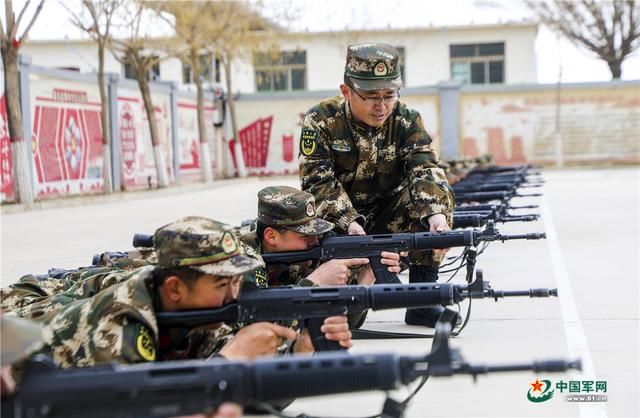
{"type": "Point", "coordinates": [537, 386]}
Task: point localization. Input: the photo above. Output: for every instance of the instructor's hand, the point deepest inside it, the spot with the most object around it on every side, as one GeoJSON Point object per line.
{"type": "Point", "coordinates": [438, 223]}
{"type": "Point", "coordinates": [355, 228]}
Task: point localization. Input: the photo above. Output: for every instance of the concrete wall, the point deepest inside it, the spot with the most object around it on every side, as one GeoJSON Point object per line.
{"type": "Point", "coordinates": [84, 55]}
{"type": "Point", "coordinates": [62, 119]}
{"type": "Point", "coordinates": [271, 126]}
{"type": "Point", "coordinates": [597, 122]}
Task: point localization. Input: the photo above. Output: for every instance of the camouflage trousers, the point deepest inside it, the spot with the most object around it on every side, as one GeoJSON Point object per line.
{"type": "Point", "coordinates": [396, 214]}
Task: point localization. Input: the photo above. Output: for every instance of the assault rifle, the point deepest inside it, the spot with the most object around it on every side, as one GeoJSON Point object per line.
{"type": "Point", "coordinates": [370, 246]}
{"type": "Point", "coordinates": [481, 218]}
{"type": "Point", "coordinates": [500, 209]}
{"type": "Point", "coordinates": [500, 174]}
{"type": "Point", "coordinates": [311, 305]}
{"type": "Point", "coordinates": [488, 196]}
{"type": "Point", "coordinates": [194, 386]}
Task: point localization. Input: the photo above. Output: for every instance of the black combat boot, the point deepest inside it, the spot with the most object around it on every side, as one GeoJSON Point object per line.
{"type": "Point", "coordinates": [423, 316]}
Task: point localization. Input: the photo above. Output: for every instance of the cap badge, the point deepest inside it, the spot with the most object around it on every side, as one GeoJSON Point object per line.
{"type": "Point", "coordinates": [310, 210]}
{"type": "Point", "coordinates": [380, 69]}
{"type": "Point", "coordinates": [228, 243]}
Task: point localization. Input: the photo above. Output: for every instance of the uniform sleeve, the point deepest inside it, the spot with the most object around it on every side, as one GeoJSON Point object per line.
{"type": "Point", "coordinates": [29, 290]}
{"type": "Point", "coordinates": [317, 175]}
{"type": "Point", "coordinates": [428, 185]}
{"type": "Point", "coordinates": [83, 286]}
{"type": "Point", "coordinates": [76, 338]}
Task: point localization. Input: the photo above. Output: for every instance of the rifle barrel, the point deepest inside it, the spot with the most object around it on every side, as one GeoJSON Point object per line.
{"type": "Point", "coordinates": [538, 366]}
{"type": "Point", "coordinates": [507, 237]}
{"type": "Point", "coordinates": [532, 293]}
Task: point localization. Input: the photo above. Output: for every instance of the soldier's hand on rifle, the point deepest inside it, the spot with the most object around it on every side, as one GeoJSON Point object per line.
{"type": "Point", "coordinates": [335, 272]}
{"type": "Point", "coordinates": [355, 228]}
{"type": "Point", "coordinates": [438, 223]}
{"type": "Point", "coordinates": [259, 339]}
{"type": "Point", "coordinates": [7, 384]}
{"type": "Point", "coordinates": [335, 328]}
{"type": "Point", "coordinates": [367, 278]}
{"type": "Point", "coordinates": [226, 410]}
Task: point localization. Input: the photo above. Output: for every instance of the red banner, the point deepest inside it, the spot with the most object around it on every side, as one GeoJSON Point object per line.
{"type": "Point", "coordinates": [6, 178]}
{"type": "Point", "coordinates": [254, 141]}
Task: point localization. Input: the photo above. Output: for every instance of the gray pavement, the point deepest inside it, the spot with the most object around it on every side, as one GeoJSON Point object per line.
{"type": "Point", "coordinates": [592, 255]}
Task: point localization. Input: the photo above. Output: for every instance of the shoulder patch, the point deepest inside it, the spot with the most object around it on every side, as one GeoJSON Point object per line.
{"type": "Point", "coordinates": [261, 277]}
{"type": "Point", "coordinates": [144, 344]}
{"type": "Point", "coordinates": [308, 142]}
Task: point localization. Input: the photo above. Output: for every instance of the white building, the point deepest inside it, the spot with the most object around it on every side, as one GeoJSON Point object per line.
{"type": "Point", "coordinates": [314, 61]}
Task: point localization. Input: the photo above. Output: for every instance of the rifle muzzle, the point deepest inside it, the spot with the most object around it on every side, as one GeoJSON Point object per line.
{"type": "Point", "coordinates": [548, 366]}
{"type": "Point", "coordinates": [504, 237]}
{"type": "Point", "coordinates": [532, 293]}
{"type": "Point", "coordinates": [557, 365]}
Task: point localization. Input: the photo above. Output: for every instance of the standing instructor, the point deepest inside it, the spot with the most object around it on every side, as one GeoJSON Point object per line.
{"type": "Point", "coordinates": [367, 159]}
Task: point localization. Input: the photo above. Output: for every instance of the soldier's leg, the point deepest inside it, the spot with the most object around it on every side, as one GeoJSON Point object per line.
{"type": "Point", "coordinates": [398, 214]}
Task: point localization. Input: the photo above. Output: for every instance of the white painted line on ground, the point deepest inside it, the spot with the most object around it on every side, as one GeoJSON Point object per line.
{"type": "Point", "coordinates": [576, 338]}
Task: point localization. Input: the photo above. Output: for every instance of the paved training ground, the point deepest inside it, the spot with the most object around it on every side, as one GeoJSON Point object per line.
{"type": "Point", "coordinates": [591, 218]}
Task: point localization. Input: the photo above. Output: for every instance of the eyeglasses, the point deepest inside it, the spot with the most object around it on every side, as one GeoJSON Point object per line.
{"type": "Point", "coordinates": [387, 100]}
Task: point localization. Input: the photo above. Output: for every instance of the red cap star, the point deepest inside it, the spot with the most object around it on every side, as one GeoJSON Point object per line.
{"type": "Point", "coordinates": [537, 386]}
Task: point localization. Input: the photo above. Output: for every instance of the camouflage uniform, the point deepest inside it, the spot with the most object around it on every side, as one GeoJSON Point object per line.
{"type": "Point", "coordinates": [295, 210]}
{"type": "Point", "coordinates": [32, 297]}
{"type": "Point", "coordinates": [118, 324]}
{"type": "Point", "coordinates": [18, 338]}
{"type": "Point", "coordinates": [385, 177]}
{"type": "Point", "coordinates": [272, 275]}
{"type": "Point", "coordinates": [289, 208]}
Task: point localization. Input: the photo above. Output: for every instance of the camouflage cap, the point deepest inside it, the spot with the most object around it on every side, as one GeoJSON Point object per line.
{"type": "Point", "coordinates": [18, 338]}
{"type": "Point", "coordinates": [372, 66]}
{"type": "Point", "coordinates": [202, 244]}
{"type": "Point", "coordinates": [290, 208]}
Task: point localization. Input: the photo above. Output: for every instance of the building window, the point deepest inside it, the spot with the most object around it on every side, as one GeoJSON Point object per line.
{"type": "Point", "coordinates": [477, 63]}
{"type": "Point", "coordinates": [281, 72]}
{"type": "Point", "coordinates": [205, 69]}
{"type": "Point", "coordinates": [76, 69]}
{"type": "Point", "coordinates": [152, 75]}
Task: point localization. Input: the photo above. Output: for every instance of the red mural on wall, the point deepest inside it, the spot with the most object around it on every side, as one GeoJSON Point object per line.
{"type": "Point", "coordinates": [6, 178]}
{"type": "Point", "coordinates": [254, 141]}
{"type": "Point", "coordinates": [287, 148]}
{"type": "Point", "coordinates": [73, 145]}
{"type": "Point", "coordinates": [128, 140]}
{"type": "Point", "coordinates": [67, 143]}
{"type": "Point", "coordinates": [496, 147]}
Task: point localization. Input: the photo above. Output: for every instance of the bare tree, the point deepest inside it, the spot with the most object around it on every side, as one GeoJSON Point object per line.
{"type": "Point", "coordinates": [194, 31]}
{"type": "Point", "coordinates": [10, 43]}
{"type": "Point", "coordinates": [135, 50]}
{"type": "Point", "coordinates": [609, 28]}
{"type": "Point", "coordinates": [244, 32]}
{"type": "Point", "coordinates": [98, 25]}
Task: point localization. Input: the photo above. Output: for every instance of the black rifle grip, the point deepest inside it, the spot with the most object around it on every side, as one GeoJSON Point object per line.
{"type": "Point", "coordinates": [381, 272]}
{"type": "Point", "coordinates": [7, 408]}
{"type": "Point", "coordinates": [320, 343]}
